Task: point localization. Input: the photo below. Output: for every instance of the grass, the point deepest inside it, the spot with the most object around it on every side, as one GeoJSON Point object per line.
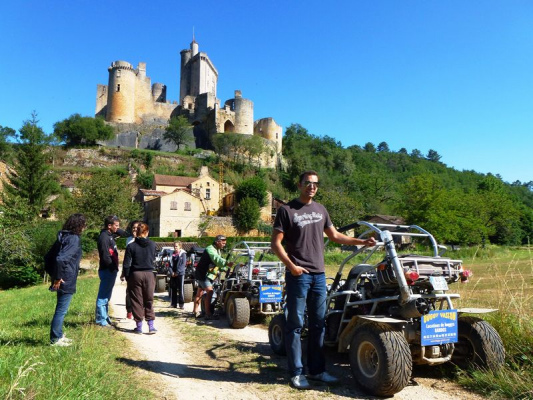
{"type": "Point", "coordinates": [30, 368]}
{"type": "Point", "coordinates": [502, 279]}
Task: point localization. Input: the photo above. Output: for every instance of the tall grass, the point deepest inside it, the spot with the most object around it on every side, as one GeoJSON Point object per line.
{"type": "Point", "coordinates": [30, 368]}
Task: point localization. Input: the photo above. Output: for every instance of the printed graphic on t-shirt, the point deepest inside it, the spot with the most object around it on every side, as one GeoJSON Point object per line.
{"type": "Point", "coordinates": [306, 219]}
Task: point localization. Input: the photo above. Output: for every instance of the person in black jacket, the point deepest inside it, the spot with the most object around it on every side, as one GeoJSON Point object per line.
{"type": "Point", "coordinates": [138, 269]}
{"type": "Point", "coordinates": [108, 253]}
{"type": "Point", "coordinates": [66, 275]}
{"type": "Point", "coordinates": [178, 262]}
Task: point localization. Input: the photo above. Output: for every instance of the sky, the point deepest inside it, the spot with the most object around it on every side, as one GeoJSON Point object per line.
{"type": "Point", "coordinates": [451, 76]}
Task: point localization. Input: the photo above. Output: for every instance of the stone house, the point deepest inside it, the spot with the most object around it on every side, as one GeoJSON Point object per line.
{"type": "Point", "coordinates": [174, 214]}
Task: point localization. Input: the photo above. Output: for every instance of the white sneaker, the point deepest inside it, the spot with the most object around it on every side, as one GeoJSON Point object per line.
{"type": "Point", "coordinates": [300, 382]}
{"type": "Point", "coordinates": [66, 339]}
{"type": "Point", "coordinates": [324, 377]}
{"type": "Point", "coordinates": [61, 343]}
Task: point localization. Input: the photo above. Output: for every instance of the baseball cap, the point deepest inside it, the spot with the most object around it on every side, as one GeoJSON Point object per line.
{"type": "Point", "coordinates": [220, 237]}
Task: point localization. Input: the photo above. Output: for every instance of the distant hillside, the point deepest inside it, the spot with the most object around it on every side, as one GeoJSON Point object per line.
{"type": "Point", "coordinates": [355, 182]}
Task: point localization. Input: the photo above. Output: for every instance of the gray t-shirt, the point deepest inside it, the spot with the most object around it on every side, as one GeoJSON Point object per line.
{"type": "Point", "coordinates": [303, 228]}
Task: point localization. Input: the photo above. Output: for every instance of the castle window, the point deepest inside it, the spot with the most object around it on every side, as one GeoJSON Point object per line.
{"type": "Point", "coordinates": [118, 87]}
{"type": "Point", "coordinates": [118, 73]}
{"type": "Point", "coordinates": [173, 205]}
{"type": "Point", "coordinates": [276, 135]}
{"type": "Point", "coordinates": [207, 194]}
{"type": "Point", "coordinates": [187, 206]}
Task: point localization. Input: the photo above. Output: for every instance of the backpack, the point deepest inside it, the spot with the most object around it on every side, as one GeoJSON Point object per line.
{"type": "Point", "coordinates": [50, 264]}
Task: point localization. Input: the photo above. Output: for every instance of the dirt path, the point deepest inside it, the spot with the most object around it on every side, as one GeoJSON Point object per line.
{"type": "Point", "coordinates": [185, 371]}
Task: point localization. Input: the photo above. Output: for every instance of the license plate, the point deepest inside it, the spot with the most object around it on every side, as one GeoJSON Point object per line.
{"type": "Point", "coordinates": [272, 275]}
{"type": "Point", "coordinates": [438, 282]}
{"type": "Point", "coordinates": [439, 327]}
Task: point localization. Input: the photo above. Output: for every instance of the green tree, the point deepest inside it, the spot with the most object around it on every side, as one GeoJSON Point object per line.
{"type": "Point", "coordinates": [252, 188]}
{"type": "Point", "coordinates": [5, 146]}
{"type": "Point", "coordinates": [33, 181]}
{"type": "Point", "coordinates": [369, 147]}
{"type": "Point", "coordinates": [247, 214]}
{"type": "Point", "coordinates": [383, 147]}
{"type": "Point", "coordinates": [104, 193]}
{"type": "Point", "coordinates": [178, 131]}
{"type": "Point", "coordinates": [77, 130]}
{"type": "Point", "coordinates": [342, 208]}
{"type": "Point", "coordinates": [433, 156]}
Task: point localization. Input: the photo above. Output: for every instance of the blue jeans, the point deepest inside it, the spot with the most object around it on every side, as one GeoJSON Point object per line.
{"type": "Point", "coordinates": [107, 282]}
{"type": "Point", "coordinates": [56, 327]}
{"type": "Point", "coordinates": [305, 290]}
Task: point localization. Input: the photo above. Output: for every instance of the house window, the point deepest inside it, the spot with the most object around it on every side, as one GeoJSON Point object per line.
{"type": "Point", "coordinates": [187, 206]}
{"type": "Point", "coordinates": [207, 194]}
{"type": "Point", "coordinates": [207, 183]}
{"type": "Point", "coordinates": [173, 205]}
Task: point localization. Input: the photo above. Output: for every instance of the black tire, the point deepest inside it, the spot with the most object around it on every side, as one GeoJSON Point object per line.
{"type": "Point", "coordinates": [188, 292]}
{"type": "Point", "coordinates": [479, 345]}
{"type": "Point", "coordinates": [276, 334]}
{"type": "Point", "coordinates": [238, 312]}
{"type": "Point", "coordinates": [380, 359]}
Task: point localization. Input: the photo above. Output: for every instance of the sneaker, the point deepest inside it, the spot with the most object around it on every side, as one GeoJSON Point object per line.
{"type": "Point", "coordinates": [129, 315]}
{"type": "Point", "coordinates": [61, 343]}
{"type": "Point", "coordinates": [199, 315]}
{"type": "Point", "coordinates": [300, 382]}
{"type": "Point", "coordinates": [137, 331]}
{"type": "Point", "coordinates": [181, 307]}
{"type": "Point", "coordinates": [152, 331]}
{"type": "Point", "coordinates": [211, 317]}
{"type": "Point", "coordinates": [106, 326]}
{"type": "Point", "coordinates": [66, 339]}
{"type": "Point", "coordinates": [325, 378]}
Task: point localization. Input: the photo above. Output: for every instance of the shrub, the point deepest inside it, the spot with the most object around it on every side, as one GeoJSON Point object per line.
{"type": "Point", "coordinates": [247, 214]}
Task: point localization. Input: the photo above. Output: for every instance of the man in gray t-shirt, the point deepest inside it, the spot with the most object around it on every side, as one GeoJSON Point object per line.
{"type": "Point", "coordinates": [301, 224]}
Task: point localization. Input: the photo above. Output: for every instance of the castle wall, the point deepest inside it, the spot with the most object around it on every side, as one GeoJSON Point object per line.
{"type": "Point", "coordinates": [101, 101]}
{"type": "Point", "coordinates": [159, 93]}
{"type": "Point", "coordinates": [121, 93]}
{"type": "Point", "coordinates": [269, 129]}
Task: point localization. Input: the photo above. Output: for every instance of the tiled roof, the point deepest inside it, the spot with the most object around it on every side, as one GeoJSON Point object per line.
{"type": "Point", "coordinates": [170, 180]}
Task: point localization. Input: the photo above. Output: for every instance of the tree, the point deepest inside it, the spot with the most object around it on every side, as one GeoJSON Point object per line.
{"type": "Point", "coordinates": [247, 214]}
{"type": "Point", "coordinates": [416, 153]}
{"type": "Point", "coordinates": [369, 147]}
{"type": "Point", "coordinates": [104, 193]}
{"type": "Point", "coordinates": [5, 146]}
{"type": "Point", "coordinates": [383, 147]}
{"type": "Point", "coordinates": [178, 131]}
{"type": "Point", "coordinates": [433, 156]}
{"type": "Point", "coordinates": [252, 188]}
{"type": "Point", "coordinates": [403, 150]}
{"type": "Point", "coordinates": [77, 130]}
{"type": "Point", "coordinates": [32, 182]}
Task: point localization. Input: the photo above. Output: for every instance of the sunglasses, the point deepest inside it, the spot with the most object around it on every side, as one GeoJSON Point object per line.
{"type": "Point", "coordinates": [309, 183]}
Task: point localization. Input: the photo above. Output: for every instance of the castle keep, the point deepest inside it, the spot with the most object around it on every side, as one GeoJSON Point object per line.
{"type": "Point", "coordinates": [130, 98]}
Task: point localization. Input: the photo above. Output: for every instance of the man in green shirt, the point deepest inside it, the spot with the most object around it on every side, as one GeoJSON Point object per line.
{"type": "Point", "coordinates": [207, 269]}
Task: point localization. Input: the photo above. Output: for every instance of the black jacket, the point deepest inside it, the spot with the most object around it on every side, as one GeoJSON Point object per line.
{"type": "Point", "coordinates": [68, 261]}
{"type": "Point", "coordinates": [140, 256]}
{"type": "Point", "coordinates": [107, 249]}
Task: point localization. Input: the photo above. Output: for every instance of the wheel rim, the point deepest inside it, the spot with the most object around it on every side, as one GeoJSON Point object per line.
{"type": "Point", "coordinates": [231, 311]}
{"type": "Point", "coordinates": [277, 335]}
{"type": "Point", "coordinates": [367, 359]}
{"type": "Point", "coordinates": [464, 349]}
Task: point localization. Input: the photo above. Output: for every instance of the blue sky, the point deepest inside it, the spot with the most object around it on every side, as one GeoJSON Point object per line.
{"type": "Point", "coordinates": [452, 76]}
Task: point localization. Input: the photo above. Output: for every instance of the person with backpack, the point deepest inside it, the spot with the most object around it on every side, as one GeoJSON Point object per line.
{"type": "Point", "coordinates": [65, 273]}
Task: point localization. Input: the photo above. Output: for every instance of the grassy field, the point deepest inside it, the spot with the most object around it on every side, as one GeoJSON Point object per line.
{"type": "Point", "coordinates": [31, 369]}
{"type": "Point", "coordinates": [502, 279]}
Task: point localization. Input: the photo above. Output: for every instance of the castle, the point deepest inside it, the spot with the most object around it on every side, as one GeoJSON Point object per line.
{"type": "Point", "coordinates": [131, 99]}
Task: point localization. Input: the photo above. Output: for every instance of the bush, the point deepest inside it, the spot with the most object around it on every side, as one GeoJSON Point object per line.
{"type": "Point", "coordinates": [252, 188]}
{"type": "Point", "coordinates": [247, 214]}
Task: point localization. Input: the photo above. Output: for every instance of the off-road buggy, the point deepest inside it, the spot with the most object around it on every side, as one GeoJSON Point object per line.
{"type": "Point", "coordinates": [252, 286]}
{"type": "Point", "coordinates": [393, 311]}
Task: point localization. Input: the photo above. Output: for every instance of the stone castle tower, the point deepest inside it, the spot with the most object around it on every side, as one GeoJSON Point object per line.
{"type": "Point", "coordinates": [129, 98]}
